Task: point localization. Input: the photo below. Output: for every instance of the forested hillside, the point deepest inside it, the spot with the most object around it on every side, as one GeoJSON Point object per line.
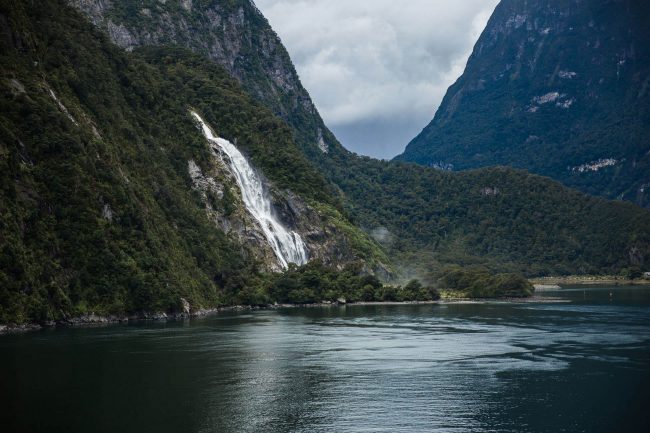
{"type": "Point", "coordinates": [99, 211]}
{"type": "Point", "coordinates": [505, 219]}
{"type": "Point", "coordinates": [233, 34]}
{"type": "Point", "coordinates": [113, 202]}
{"type": "Point", "coordinates": [560, 88]}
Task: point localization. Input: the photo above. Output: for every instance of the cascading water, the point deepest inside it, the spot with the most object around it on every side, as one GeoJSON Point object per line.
{"type": "Point", "coordinates": [287, 245]}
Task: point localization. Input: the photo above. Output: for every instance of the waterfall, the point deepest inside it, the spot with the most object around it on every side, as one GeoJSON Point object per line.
{"type": "Point", "coordinates": [286, 244]}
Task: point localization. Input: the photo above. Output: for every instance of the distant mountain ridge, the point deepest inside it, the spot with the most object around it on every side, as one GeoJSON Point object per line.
{"type": "Point", "coordinates": [558, 87]}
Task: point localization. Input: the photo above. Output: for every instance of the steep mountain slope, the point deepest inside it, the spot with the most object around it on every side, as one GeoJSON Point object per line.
{"type": "Point", "coordinates": [422, 216]}
{"type": "Point", "coordinates": [111, 200]}
{"type": "Point", "coordinates": [505, 219]}
{"type": "Point", "coordinates": [235, 35]}
{"type": "Point", "coordinates": [560, 88]}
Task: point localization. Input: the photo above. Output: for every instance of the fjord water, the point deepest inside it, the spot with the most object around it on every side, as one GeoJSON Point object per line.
{"type": "Point", "coordinates": [287, 245]}
{"type": "Point", "coordinates": [581, 365]}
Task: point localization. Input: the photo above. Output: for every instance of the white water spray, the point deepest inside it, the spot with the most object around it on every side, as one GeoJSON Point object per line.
{"type": "Point", "coordinates": [287, 245]}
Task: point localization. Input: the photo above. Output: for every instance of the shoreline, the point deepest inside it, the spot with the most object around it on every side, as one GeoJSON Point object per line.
{"type": "Point", "coordinates": [94, 320]}
{"type": "Point", "coordinates": [593, 280]}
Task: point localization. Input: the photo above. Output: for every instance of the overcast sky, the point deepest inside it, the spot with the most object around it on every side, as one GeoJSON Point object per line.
{"type": "Point", "coordinates": [378, 69]}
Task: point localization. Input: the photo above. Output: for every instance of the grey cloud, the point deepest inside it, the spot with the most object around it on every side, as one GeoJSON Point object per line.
{"type": "Point", "coordinates": [378, 69]}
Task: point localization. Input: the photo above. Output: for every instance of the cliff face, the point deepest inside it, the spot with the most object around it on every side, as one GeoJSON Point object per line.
{"type": "Point", "coordinates": [561, 88]}
{"type": "Point", "coordinates": [423, 212]}
{"type": "Point", "coordinates": [328, 236]}
{"type": "Point", "coordinates": [233, 34]}
{"type": "Point", "coordinates": [236, 36]}
{"type": "Point", "coordinates": [111, 200]}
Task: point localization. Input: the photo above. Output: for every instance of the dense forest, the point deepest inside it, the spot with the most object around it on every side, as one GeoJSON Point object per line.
{"type": "Point", "coordinates": [98, 212]}
{"type": "Point", "coordinates": [563, 92]}
{"type": "Point", "coordinates": [505, 219]}
{"type": "Point", "coordinates": [501, 218]}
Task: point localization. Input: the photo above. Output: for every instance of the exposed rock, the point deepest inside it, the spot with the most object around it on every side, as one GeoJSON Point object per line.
{"type": "Point", "coordinates": [595, 165]}
{"type": "Point", "coordinates": [229, 33]}
{"type": "Point", "coordinates": [16, 86]}
{"type": "Point", "coordinates": [321, 142]}
{"type": "Point", "coordinates": [567, 74]}
{"type": "Point", "coordinates": [636, 256]}
{"type": "Point", "coordinates": [92, 319]}
{"type": "Point", "coordinates": [490, 191]}
{"type": "Point", "coordinates": [153, 316]}
{"type": "Point", "coordinates": [324, 240]}
{"type": "Point", "coordinates": [235, 221]}
{"type": "Point", "coordinates": [186, 4]}
{"type": "Point", "coordinates": [187, 308]}
{"type": "Point", "coordinates": [107, 212]}
{"type": "Point", "coordinates": [542, 287]}
{"type": "Point", "coordinates": [121, 36]}
{"type": "Point", "coordinates": [11, 329]}
{"type": "Point", "coordinates": [544, 99]}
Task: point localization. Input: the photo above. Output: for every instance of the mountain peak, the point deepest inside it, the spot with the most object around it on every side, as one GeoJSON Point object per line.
{"type": "Point", "coordinates": [233, 34]}
{"type": "Point", "coordinates": [552, 86]}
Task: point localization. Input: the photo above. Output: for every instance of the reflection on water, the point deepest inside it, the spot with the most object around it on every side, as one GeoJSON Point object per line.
{"type": "Point", "coordinates": [574, 366]}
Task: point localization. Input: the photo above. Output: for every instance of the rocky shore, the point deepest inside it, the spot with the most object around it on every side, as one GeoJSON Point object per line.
{"type": "Point", "coordinates": [95, 320]}
{"type": "Point", "coordinates": [574, 280]}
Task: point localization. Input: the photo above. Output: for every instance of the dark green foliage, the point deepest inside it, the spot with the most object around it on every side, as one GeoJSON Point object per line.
{"type": "Point", "coordinates": [315, 283]}
{"type": "Point", "coordinates": [266, 139]}
{"type": "Point", "coordinates": [96, 207]}
{"type": "Point", "coordinates": [477, 282]}
{"type": "Point", "coordinates": [97, 211]}
{"type": "Point", "coordinates": [595, 55]}
{"type": "Point", "coordinates": [105, 221]}
{"type": "Point", "coordinates": [232, 33]}
{"type": "Point", "coordinates": [505, 219]}
{"type": "Point", "coordinates": [632, 273]}
{"type": "Point", "coordinates": [532, 225]}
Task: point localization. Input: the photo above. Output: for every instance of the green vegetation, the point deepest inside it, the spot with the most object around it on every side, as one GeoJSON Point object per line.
{"type": "Point", "coordinates": [632, 273]}
{"type": "Point", "coordinates": [106, 221]}
{"type": "Point", "coordinates": [98, 214]}
{"type": "Point", "coordinates": [263, 137]}
{"type": "Point", "coordinates": [97, 210]}
{"type": "Point", "coordinates": [314, 283]}
{"type": "Point", "coordinates": [600, 107]}
{"type": "Point", "coordinates": [501, 218]}
{"type": "Point", "coordinates": [476, 282]}
{"type": "Point", "coordinates": [504, 219]}
{"type": "Point", "coordinates": [233, 34]}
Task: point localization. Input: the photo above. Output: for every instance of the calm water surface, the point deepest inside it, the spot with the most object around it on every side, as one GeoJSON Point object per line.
{"type": "Point", "coordinates": [578, 366]}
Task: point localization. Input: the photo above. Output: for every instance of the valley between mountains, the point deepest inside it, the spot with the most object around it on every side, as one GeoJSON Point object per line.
{"type": "Point", "coordinates": [163, 158]}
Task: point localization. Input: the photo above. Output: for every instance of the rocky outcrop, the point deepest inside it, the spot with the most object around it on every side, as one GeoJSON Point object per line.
{"type": "Point", "coordinates": [216, 184]}
{"type": "Point", "coordinates": [233, 34]}
{"type": "Point", "coordinates": [325, 240]}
